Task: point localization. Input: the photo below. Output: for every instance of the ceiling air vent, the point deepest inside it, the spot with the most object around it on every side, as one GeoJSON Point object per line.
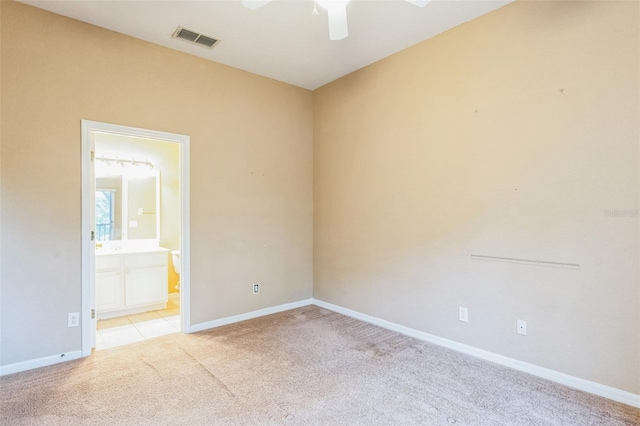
{"type": "Point", "coordinates": [195, 37]}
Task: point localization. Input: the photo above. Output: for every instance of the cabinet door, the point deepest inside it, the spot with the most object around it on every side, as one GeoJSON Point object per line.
{"type": "Point", "coordinates": [108, 291]}
{"type": "Point", "coordinates": [146, 285]}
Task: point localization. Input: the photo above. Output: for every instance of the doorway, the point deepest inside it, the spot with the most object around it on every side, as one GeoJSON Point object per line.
{"type": "Point", "coordinates": [127, 272]}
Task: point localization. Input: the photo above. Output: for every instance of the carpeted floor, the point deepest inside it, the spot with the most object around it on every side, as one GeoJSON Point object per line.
{"type": "Point", "coordinates": [308, 366]}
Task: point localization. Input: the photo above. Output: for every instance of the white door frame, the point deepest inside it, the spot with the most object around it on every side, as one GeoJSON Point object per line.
{"type": "Point", "coordinates": [89, 128]}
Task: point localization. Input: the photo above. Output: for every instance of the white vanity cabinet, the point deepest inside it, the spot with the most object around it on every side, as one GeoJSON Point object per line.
{"type": "Point", "coordinates": [108, 291]}
{"type": "Point", "coordinates": [129, 283]}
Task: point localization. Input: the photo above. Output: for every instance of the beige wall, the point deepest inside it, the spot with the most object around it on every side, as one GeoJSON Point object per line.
{"type": "Point", "coordinates": [251, 181]}
{"type": "Point", "coordinates": [508, 136]}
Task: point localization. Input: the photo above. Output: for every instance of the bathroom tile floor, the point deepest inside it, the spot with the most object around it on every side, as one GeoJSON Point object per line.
{"type": "Point", "coordinates": [135, 328]}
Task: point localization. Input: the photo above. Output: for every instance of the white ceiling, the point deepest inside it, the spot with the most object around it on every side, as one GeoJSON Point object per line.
{"type": "Point", "coordinates": [281, 40]}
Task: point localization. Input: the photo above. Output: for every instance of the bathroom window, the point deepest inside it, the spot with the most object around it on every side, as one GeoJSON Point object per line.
{"type": "Point", "coordinates": [105, 209]}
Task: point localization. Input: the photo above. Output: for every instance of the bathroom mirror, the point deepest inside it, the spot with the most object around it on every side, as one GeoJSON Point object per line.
{"type": "Point", "coordinates": [127, 207]}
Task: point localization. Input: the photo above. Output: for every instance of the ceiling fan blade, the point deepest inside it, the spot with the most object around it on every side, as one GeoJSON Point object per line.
{"type": "Point", "coordinates": [254, 4]}
{"type": "Point", "coordinates": [419, 3]}
{"type": "Point", "coordinates": [338, 22]}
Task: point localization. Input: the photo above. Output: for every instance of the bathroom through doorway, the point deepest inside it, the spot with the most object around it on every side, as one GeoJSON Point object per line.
{"type": "Point", "coordinates": [135, 248]}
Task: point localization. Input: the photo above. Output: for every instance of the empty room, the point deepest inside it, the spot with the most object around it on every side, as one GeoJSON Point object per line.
{"type": "Point", "coordinates": [323, 212]}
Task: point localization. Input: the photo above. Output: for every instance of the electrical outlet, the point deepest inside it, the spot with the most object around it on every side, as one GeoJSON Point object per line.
{"type": "Point", "coordinates": [463, 314]}
{"type": "Point", "coordinates": [256, 288]}
{"type": "Point", "coordinates": [74, 319]}
{"type": "Point", "coordinates": [522, 327]}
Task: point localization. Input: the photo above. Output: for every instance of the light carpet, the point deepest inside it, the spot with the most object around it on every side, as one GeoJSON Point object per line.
{"type": "Point", "coordinates": [307, 366]}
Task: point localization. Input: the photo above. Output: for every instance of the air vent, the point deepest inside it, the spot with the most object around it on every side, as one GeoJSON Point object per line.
{"type": "Point", "coordinates": [195, 37]}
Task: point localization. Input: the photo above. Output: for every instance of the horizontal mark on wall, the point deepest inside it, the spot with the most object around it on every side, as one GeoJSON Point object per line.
{"type": "Point", "coordinates": [526, 262]}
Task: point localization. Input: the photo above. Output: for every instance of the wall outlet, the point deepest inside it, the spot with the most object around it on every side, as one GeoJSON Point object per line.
{"type": "Point", "coordinates": [256, 288]}
{"type": "Point", "coordinates": [74, 319]}
{"type": "Point", "coordinates": [463, 314]}
{"type": "Point", "coordinates": [521, 327]}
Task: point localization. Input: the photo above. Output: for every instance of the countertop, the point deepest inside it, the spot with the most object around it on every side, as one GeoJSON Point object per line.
{"type": "Point", "coordinates": [104, 251]}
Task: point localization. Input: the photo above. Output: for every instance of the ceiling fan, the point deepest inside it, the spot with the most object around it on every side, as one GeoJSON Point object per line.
{"type": "Point", "coordinates": [336, 9]}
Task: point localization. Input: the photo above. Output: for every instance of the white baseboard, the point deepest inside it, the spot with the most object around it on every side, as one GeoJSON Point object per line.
{"type": "Point", "coordinates": [39, 362]}
{"type": "Point", "coordinates": [545, 373]}
{"type": "Point", "coordinates": [555, 376]}
{"type": "Point", "coordinates": [56, 359]}
{"type": "Point", "coordinates": [249, 315]}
